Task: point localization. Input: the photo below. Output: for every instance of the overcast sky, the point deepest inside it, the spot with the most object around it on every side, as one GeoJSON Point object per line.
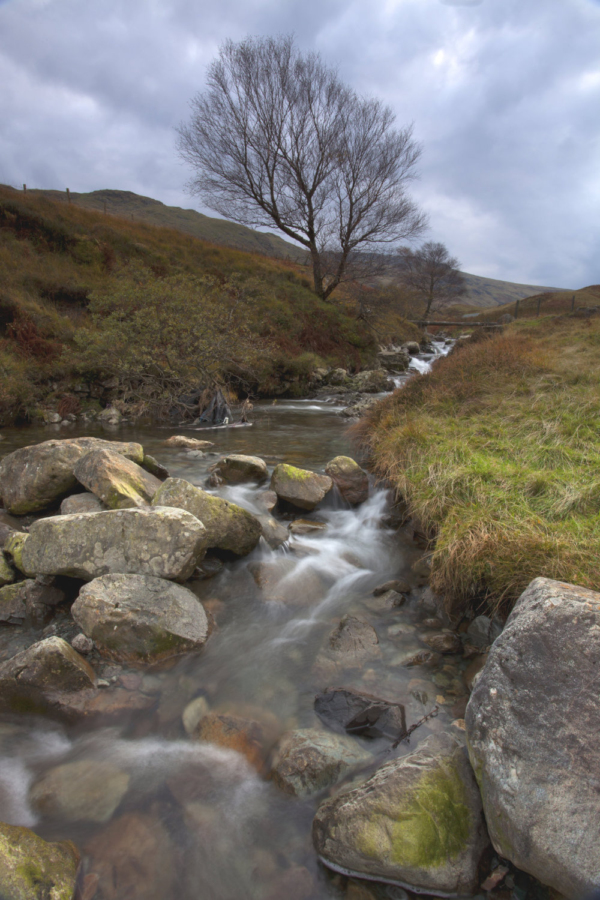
{"type": "Point", "coordinates": [504, 96]}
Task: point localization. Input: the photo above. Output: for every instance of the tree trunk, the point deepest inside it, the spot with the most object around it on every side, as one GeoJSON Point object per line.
{"type": "Point", "coordinates": [317, 272]}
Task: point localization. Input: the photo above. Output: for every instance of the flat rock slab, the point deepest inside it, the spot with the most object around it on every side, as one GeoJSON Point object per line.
{"type": "Point", "coordinates": [533, 722]}
{"type": "Point", "coordinates": [34, 477]}
{"type": "Point", "coordinates": [163, 542]}
{"type": "Point", "coordinates": [118, 482]}
{"type": "Point", "coordinates": [307, 761]}
{"type": "Point", "coordinates": [32, 868]}
{"type": "Point", "coordinates": [300, 487]}
{"type": "Point", "coordinates": [349, 478]}
{"type": "Point", "coordinates": [416, 822]}
{"type": "Point", "coordinates": [237, 469]}
{"type": "Point", "coordinates": [139, 619]}
{"type": "Point", "coordinates": [228, 526]}
{"type": "Point", "coordinates": [357, 713]}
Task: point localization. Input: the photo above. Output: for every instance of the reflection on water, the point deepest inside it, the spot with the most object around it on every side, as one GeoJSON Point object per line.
{"type": "Point", "coordinates": [161, 814]}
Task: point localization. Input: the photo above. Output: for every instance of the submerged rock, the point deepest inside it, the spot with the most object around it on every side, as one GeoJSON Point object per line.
{"type": "Point", "coordinates": [228, 526]}
{"type": "Point", "coordinates": [416, 822]}
{"type": "Point", "coordinates": [354, 640]}
{"type": "Point", "coordinates": [187, 443]}
{"type": "Point", "coordinates": [83, 791]}
{"type": "Point", "coordinates": [139, 619]}
{"type": "Point", "coordinates": [247, 736]}
{"type": "Point", "coordinates": [166, 543]}
{"type": "Point", "coordinates": [34, 869]}
{"type": "Point", "coordinates": [443, 642]}
{"type": "Point", "coordinates": [351, 481]}
{"type": "Point", "coordinates": [281, 580]}
{"type": "Point", "coordinates": [238, 469]}
{"type": "Point", "coordinates": [354, 712]}
{"type": "Point", "coordinates": [307, 761]}
{"type": "Point", "coordinates": [117, 481]}
{"type": "Point", "coordinates": [274, 533]}
{"type": "Point", "coordinates": [33, 478]}
{"type": "Point", "coordinates": [300, 487]}
{"type": "Point", "coordinates": [532, 728]}
{"type": "Point", "coordinates": [81, 503]}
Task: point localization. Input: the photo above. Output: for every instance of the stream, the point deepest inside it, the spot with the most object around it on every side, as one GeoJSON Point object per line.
{"type": "Point", "coordinates": [193, 821]}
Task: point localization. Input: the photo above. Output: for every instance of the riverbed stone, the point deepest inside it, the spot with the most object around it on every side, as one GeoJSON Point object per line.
{"type": "Point", "coordinates": [13, 548]}
{"type": "Point", "coordinates": [34, 869]}
{"type": "Point", "coordinates": [81, 503]}
{"type": "Point", "coordinates": [118, 482]}
{"type": "Point", "coordinates": [82, 791]}
{"type": "Point", "coordinates": [139, 619]}
{"type": "Point", "coordinates": [307, 761]}
{"type": "Point", "coordinates": [354, 640]}
{"type": "Point", "coordinates": [238, 469]}
{"type": "Point", "coordinates": [532, 728]}
{"type": "Point", "coordinates": [300, 487]}
{"type": "Point", "coordinates": [443, 642]}
{"type": "Point", "coordinates": [301, 527]}
{"type": "Point", "coordinates": [274, 533]}
{"type": "Point", "coordinates": [34, 477]}
{"type": "Point", "coordinates": [417, 822]}
{"type": "Point", "coordinates": [7, 573]}
{"type": "Point", "coordinates": [228, 526]}
{"type": "Point", "coordinates": [246, 736]}
{"type": "Point", "coordinates": [394, 360]}
{"type": "Point", "coordinates": [374, 381]}
{"type": "Point", "coordinates": [29, 602]}
{"type": "Point", "coordinates": [348, 711]}
{"type": "Point", "coordinates": [187, 443]}
{"type": "Point", "coordinates": [351, 481]}
{"type": "Point", "coordinates": [152, 465]}
{"type": "Point", "coordinates": [282, 580]}
{"type": "Point", "coordinates": [158, 541]}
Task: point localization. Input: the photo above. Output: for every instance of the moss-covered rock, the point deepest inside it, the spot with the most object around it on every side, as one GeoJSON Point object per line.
{"type": "Point", "coordinates": [300, 487]}
{"type": "Point", "coordinates": [33, 478]}
{"type": "Point", "coordinates": [34, 869]}
{"type": "Point", "coordinates": [417, 822]}
{"type": "Point", "coordinates": [7, 573]}
{"type": "Point", "coordinates": [307, 760]}
{"type": "Point", "coordinates": [81, 503]}
{"type": "Point", "coordinates": [14, 548]}
{"type": "Point", "coordinates": [228, 526]}
{"type": "Point", "coordinates": [118, 482]}
{"type": "Point", "coordinates": [349, 478]}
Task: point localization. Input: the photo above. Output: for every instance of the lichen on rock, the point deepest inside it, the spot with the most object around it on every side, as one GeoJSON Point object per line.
{"type": "Point", "coordinates": [34, 869]}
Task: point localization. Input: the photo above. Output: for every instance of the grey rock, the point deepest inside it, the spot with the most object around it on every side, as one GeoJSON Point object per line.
{"type": "Point", "coordinates": [138, 619]}
{"type": "Point", "coordinates": [357, 713]}
{"type": "Point", "coordinates": [359, 409]}
{"type": "Point", "coordinates": [401, 587]}
{"type": "Point", "coordinates": [34, 477]}
{"type": "Point", "coordinates": [532, 728]}
{"type": "Point", "coordinates": [375, 381]}
{"type": "Point", "coordinates": [81, 503]}
{"type": "Point", "coordinates": [416, 822]}
{"type": "Point", "coordinates": [482, 632]}
{"type": "Point", "coordinates": [117, 481]}
{"type": "Point", "coordinates": [187, 443]}
{"type": "Point", "coordinates": [228, 526]}
{"type": "Point", "coordinates": [274, 533]}
{"type": "Point", "coordinates": [307, 760]}
{"type": "Point", "coordinates": [412, 347]}
{"type": "Point", "coordinates": [82, 791]}
{"type": "Point", "coordinates": [337, 376]}
{"type": "Point", "coordinates": [155, 468]}
{"type": "Point", "coordinates": [300, 487]}
{"type": "Point", "coordinates": [29, 602]}
{"type": "Point", "coordinates": [306, 526]}
{"type": "Point", "coordinates": [238, 469]}
{"type": "Point", "coordinates": [394, 360]}
{"type": "Point", "coordinates": [167, 543]}
{"type": "Point", "coordinates": [443, 642]}
{"type": "Point", "coordinates": [351, 481]}
{"type": "Point", "coordinates": [82, 644]}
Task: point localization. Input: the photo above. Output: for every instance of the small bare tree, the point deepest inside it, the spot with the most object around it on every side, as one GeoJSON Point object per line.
{"type": "Point", "coordinates": [277, 139]}
{"type": "Point", "coordinates": [432, 274]}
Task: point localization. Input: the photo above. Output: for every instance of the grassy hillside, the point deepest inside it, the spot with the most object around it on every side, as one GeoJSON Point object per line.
{"type": "Point", "coordinates": [497, 452]}
{"type": "Point", "coordinates": [546, 303]}
{"type": "Point", "coordinates": [126, 204]}
{"type": "Point", "coordinates": [489, 292]}
{"type": "Point", "coordinates": [95, 298]}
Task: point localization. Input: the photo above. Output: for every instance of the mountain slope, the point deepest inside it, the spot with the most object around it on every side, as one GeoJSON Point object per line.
{"type": "Point", "coordinates": [489, 292]}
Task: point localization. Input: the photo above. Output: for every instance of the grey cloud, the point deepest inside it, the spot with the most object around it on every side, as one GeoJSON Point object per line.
{"type": "Point", "coordinates": [504, 96]}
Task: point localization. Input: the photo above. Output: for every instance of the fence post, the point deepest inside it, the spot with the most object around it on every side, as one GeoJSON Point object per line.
{"type": "Point", "coordinates": [24, 188]}
{"type": "Point", "coordinates": [68, 196]}
{"type": "Point", "coordinates": [517, 310]}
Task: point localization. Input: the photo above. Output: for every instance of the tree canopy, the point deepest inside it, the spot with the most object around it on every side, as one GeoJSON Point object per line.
{"type": "Point", "coordinates": [432, 274]}
{"type": "Point", "coordinates": [276, 138]}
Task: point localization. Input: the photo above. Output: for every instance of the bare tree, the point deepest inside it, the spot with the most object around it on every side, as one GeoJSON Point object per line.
{"type": "Point", "coordinates": [277, 139]}
{"type": "Point", "coordinates": [432, 274]}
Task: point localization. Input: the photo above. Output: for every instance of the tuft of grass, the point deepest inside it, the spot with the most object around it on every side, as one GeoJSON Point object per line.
{"type": "Point", "coordinates": [497, 452]}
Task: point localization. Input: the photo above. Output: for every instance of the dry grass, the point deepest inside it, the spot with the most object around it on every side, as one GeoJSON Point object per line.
{"type": "Point", "coordinates": [498, 453]}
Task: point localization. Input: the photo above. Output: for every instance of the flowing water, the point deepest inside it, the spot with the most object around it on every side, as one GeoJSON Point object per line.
{"type": "Point", "coordinates": [180, 819]}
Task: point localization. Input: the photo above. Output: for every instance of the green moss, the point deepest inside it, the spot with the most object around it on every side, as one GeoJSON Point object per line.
{"type": "Point", "coordinates": [31, 868]}
{"type": "Point", "coordinates": [431, 827]}
{"type": "Point", "coordinates": [286, 471]}
{"type": "Point", "coordinates": [14, 548]}
{"type": "Point", "coordinates": [7, 574]}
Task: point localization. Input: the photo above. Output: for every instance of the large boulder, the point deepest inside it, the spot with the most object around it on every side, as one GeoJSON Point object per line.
{"type": "Point", "coordinates": [31, 680]}
{"type": "Point", "coordinates": [394, 360]}
{"type": "Point", "coordinates": [117, 481]}
{"type": "Point", "coordinates": [29, 601]}
{"type": "Point", "coordinates": [228, 526]}
{"type": "Point", "coordinates": [34, 477]}
{"type": "Point", "coordinates": [300, 487]}
{"type": "Point", "coordinates": [417, 821]}
{"type": "Point", "coordinates": [307, 761]}
{"type": "Point", "coordinates": [163, 542]}
{"type": "Point", "coordinates": [81, 791]}
{"type": "Point", "coordinates": [351, 481]}
{"type": "Point", "coordinates": [532, 727]}
{"type": "Point", "coordinates": [138, 619]}
{"type": "Point", "coordinates": [237, 469]}
{"type": "Point", "coordinates": [374, 381]}
{"type": "Point", "coordinates": [34, 869]}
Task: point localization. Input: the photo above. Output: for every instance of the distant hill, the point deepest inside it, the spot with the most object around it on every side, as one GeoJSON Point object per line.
{"type": "Point", "coordinates": [219, 231]}
{"type": "Point", "coordinates": [482, 293]}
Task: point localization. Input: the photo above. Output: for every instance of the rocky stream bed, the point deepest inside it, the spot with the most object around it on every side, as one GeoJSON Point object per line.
{"type": "Point", "coordinates": [223, 675]}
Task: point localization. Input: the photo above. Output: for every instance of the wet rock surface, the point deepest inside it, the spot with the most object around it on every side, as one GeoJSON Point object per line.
{"type": "Point", "coordinates": [300, 487]}
{"type": "Point", "coordinates": [228, 526]}
{"type": "Point", "coordinates": [81, 503]}
{"type": "Point", "coordinates": [34, 869]}
{"type": "Point", "coordinates": [34, 477]}
{"type": "Point", "coordinates": [238, 469]}
{"type": "Point", "coordinates": [163, 542]}
{"type": "Point", "coordinates": [417, 821]}
{"type": "Point", "coordinates": [118, 482]}
{"type": "Point", "coordinates": [140, 619]}
{"type": "Point", "coordinates": [351, 481]}
{"type": "Point", "coordinates": [529, 725]}
{"type": "Point", "coordinates": [85, 791]}
{"type": "Point", "coordinates": [30, 681]}
{"type": "Point", "coordinates": [360, 714]}
{"type": "Point", "coordinates": [308, 761]}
